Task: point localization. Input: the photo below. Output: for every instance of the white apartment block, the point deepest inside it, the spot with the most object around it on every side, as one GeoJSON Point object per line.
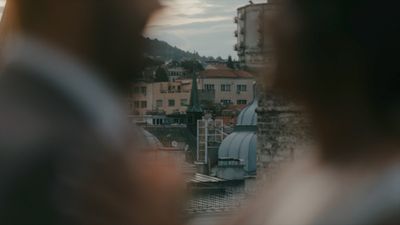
{"type": "Point", "coordinates": [253, 44]}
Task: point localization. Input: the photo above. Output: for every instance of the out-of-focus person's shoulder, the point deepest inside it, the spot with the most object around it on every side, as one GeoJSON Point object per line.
{"type": "Point", "coordinates": [309, 192]}
{"type": "Point", "coordinates": [281, 195]}
{"type": "Point", "coordinates": [295, 195]}
{"type": "Point", "coordinates": [30, 110]}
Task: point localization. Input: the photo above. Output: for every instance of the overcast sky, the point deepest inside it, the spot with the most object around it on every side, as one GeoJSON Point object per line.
{"type": "Point", "coordinates": [2, 2]}
{"type": "Point", "coordinates": [205, 26]}
{"type": "Point", "coordinates": [202, 25]}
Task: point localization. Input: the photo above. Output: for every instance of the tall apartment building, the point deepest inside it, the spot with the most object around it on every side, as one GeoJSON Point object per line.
{"type": "Point", "coordinates": [253, 44]}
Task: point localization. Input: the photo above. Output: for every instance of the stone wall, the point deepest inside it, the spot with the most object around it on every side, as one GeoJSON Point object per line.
{"type": "Point", "coordinates": [283, 133]}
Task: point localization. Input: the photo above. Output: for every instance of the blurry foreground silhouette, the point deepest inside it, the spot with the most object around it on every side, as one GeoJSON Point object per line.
{"type": "Point", "coordinates": [338, 58]}
{"type": "Point", "coordinates": [67, 155]}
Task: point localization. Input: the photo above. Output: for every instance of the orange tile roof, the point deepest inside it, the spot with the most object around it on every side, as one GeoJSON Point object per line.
{"type": "Point", "coordinates": [225, 73]}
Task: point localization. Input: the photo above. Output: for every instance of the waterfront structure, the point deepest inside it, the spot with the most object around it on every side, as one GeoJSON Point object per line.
{"type": "Point", "coordinates": [253, 43]}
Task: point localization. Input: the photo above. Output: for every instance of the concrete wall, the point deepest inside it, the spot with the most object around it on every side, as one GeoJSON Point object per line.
{"type": "Point", "coordinates": [283, 134]}
{"type": "Point", "coordinates": [253, 43]}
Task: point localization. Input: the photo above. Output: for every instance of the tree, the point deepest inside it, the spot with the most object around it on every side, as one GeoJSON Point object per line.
{"type": "Point", "coordinates": [149, 62]}
{"type": "Point", "coordinates": [161, 75]}
{"type": "Point", "coordinates": [230, 63]}
{"type": "Point", "coordinates": [192, 66]}
{"type": "Point", "coordinates": [174, 63]}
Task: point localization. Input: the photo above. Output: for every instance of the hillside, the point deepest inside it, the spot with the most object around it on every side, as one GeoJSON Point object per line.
{"type": "Point", "coordinates": [163, 51]}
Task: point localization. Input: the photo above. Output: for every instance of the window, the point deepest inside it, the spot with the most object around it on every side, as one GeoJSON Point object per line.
{"type": "Point", "coordinates": [241, 88]}
{"type": "Point", "coordinates": [184, 102]}
{"type": "Point", "coordinates": [143, 90]}
{"type": "Point", "coordinates": [143, 104]}
{"type": "Point", "coordinates": [225, 87]}
{"type": "Point", "coordinates": [171, 103]}
{"type": "Point", "coordinates": [226, 101]}
{"type": "Point", "coordinates": [209, 87]}
{"type": "Point", "coordinates": [242, 102]}
{"type": "Point", "coordinates": [136, 104]}
{"type": "Point", "coordinates": [136, 90]}
{"type": "Point", "coordinates": [157, 121]}
{"type": "Point", "coordinates": [159, 103]}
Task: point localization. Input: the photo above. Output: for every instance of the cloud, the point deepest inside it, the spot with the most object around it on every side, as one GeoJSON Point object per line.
{"type": "Point", "coordinates": [205, 26]}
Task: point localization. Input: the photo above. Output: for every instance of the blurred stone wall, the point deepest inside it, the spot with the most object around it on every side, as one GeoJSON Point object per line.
{"type": "Point", "coordinates": [283, 133]}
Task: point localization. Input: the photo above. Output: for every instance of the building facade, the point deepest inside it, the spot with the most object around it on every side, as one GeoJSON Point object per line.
{"type": "Point", "coordinates": [253, 44]}
{"type": "Point", "coordinates": [227, 87]}
{"type": "Point", "coordinates": [176, 73]}
{"type": "Point", "coordinates": [230, 86]}
{"type": "Point", "coordinates": [160, 97]}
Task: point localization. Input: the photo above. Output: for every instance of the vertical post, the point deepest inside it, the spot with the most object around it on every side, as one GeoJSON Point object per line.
{"type": "Point", "coordinates": [206, 141]}
{"type": "Point", "coordinates": [198, 140]}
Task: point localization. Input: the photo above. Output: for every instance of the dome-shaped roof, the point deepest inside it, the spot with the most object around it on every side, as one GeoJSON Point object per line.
{"type": "Point", "coordinates": [237, 152]}
{"type": "Point", "coordinates": [240, 146]}
{"type": "Point", "coordinates": [248, 116]}
{"type": "Point", "coordinates": [151, 140]}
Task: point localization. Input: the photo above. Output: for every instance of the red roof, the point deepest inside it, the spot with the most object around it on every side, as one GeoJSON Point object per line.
{"type": "Point", "coordinates": [225, 73]}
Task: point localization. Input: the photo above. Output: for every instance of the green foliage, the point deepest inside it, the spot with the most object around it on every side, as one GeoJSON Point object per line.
{"type": "Point", "coordinates": [161, 75]}
{"type": "Point", "coordinates": [150, 62]}
{"type": "Point", "coordinates": [162, 50]}
{"type": "Point", "coordinates": [192, 66]}
{"type": "Point", "coordinates": [230, 63]}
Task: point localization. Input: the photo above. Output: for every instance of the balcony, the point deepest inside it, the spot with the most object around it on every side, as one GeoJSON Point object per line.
{"type": "Point", "coordinates": [235, 19]}
{"type": "Point", "coordinates": [239, 47]}
{"type": "Point", "coordinates": [260, 42]}
{"type": "Point", "coordinates": [236, 33]}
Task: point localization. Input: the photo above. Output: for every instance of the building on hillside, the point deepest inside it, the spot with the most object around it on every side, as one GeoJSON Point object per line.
{"type": "Point", "coordinates": [148, 74]}
{"type": "Point", "coordinates": [217, 67]}
{"type": "Point", "coordinates": [160, 98]}
{"type": "Point", "coordinates": [175, 73]}
{"type": "Point", "coordinates": [216, 62]}
{"type": "Point", "coordinates": [218, 86]}
{"type": "Point", "coordinates": [230, 86]}
{"type": "Point", "coordinates": [253, 44]}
